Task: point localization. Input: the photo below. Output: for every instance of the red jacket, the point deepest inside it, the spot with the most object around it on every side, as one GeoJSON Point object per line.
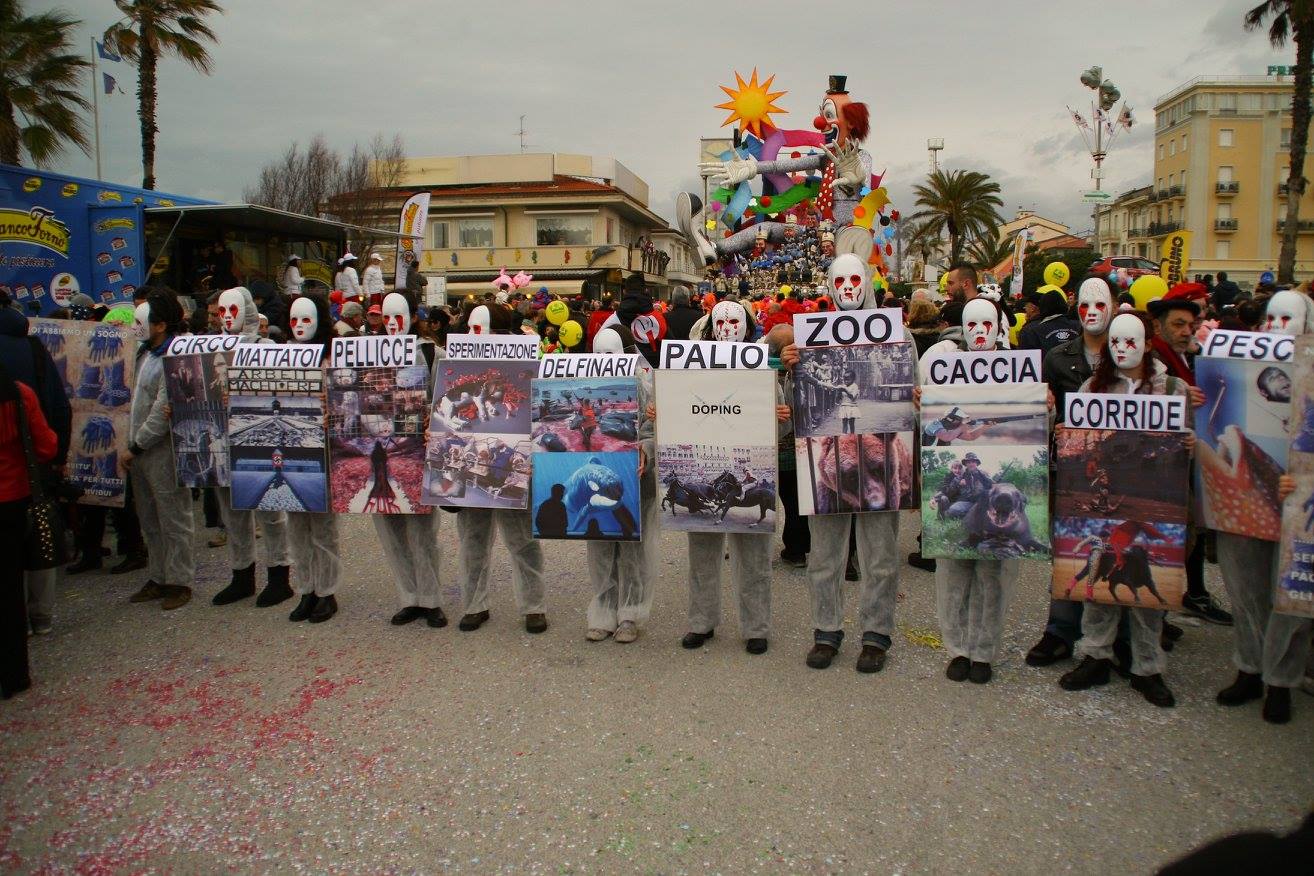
{"type": "Point", "coordinates": [13, 464]}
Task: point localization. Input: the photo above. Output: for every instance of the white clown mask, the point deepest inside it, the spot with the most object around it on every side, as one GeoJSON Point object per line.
{"type": "Point", "coordinates": [396, 314]}
{"type": "Point", "coordinates": [232, 311]}
{"type": "Point", "coordinates": [608, 341]}
{"type": "Point", "coordinates": [980, 325]}
{"type": "Point", "coordinates": [141, 322]}
{"type": "Point", "coordinates": [847, 276]}
{"type": "Point", "coordinates": [1094, 306]}
{"type": "Point", "coordinates": [729, 321]}
{"type": "Point", "coordinates": [1287, 313]}
{"type": "Point", "coordinates": [1127, 341]}
{"type": "Point", "coordinates": [303, 319]}
{"type": "Point", "coordinates": [479, 320]}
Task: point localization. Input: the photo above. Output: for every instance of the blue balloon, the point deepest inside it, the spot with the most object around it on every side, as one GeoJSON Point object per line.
{"type": "Point", "coordinates": [1267, 277]}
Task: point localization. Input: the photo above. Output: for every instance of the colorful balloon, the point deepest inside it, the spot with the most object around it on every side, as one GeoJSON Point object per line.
{"type": "Point", "coordinates": [1150, 287]}
{"type": "Point", "coordinates": [1015, 330]}
{"type": "Point", "coordinates": [1057, 273]}
{"type": "Point", "coordinates": [557, 312]}
{"type": "Point", "coordinates": [570, 333]}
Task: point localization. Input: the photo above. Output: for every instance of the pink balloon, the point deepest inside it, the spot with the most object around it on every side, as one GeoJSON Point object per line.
{"type": "Point", "coordinates": [716, 206]}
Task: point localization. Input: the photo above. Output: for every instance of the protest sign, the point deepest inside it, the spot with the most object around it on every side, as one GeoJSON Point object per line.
{"type": "Point", "coordinates": [586, 455]}
{"type": "Point", "coordinates": [716, 448]}
{"type": "Point", "coordinates": [1295, 584]}
{"type": "Point", "coordinates": [196, 378]}
{"type": "Point", "coordinates": [95, 361]}
{"type": "Point", "coordinates": [276, 445]}
{"type": "Point", "coordinates": [1242, 430]}
{"type": "Point", "coordinates": [378, 408]}
{"type": "Point", "coordinates": [1119, 532]}
{"type": "Point", "coordinates": [854, 420]}
{"type": "Point", "coordinates": [502, 347]}
{"type": "Point", "coordinates": [478, 448]}
{"type": "Point", "coordinates": [985, 459]}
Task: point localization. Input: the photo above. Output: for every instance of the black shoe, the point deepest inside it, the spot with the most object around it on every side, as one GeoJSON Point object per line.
{"type": "Point", "coordinates": [324, 609]}
{"type": "Point", "coordinates": [1204, 607]}
{"type": "Point", "coordinates": [303, 609]}
{"type": "Point", "coordinates": [979, 673]}
{"type": "Point", "coordinates": [11, 690]}
{"type": "Point", "coordinates": [798, 562]}
{"type": "Point", "coordinates": [917, 561]}
{"type": "Point", "coordinates": [821, 655]}
{"type": "Point", "coordinates": [278, 587]}
{"type": "Point", "coordinates": [756, 646]}
{"type": "Point", "coordinates": [408, 614]}
{"type": "Point", "coordinates": [957, 669]}
{"type": "Point", "coordinates": [242, 586]}
{"type": "Point", "coordinates": [471, 622]}
{"type": "Point", "coordinates": [1089, 673]}
{"type": "Point", "coordinates": [851, 570]}
{"type": "Point", "coordinates": [536, 623]}
{"type": "Point", "coordinates": [696, 640]}
{"type": "Point", "coordinates": [434, 617]}
{"type": "Point", "coordinates": [872, 659]}
{"type": "Point", "coordinates": [1171, 630]}
{"type": "Point", "coordinates": [1049, 650]}
{"type": "Point", "coordinates": [130, 563]}
{"type": "Point", "coordinates": [1122, 658]}
{"type": "Point", "coordinates": [86, 564]}
{"type": "Point", "coordinates": [1154, 690]}
{"type": "Point", "coordinates": [1277, 705]}
{"type": "Point", "coordinates": [1245, 688]}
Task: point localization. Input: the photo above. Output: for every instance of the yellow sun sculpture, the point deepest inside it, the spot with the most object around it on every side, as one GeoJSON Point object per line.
{"type": "Point", "coordinates": [751, 103]}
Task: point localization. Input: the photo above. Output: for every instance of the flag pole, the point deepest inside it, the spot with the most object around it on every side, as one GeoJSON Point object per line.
{"type": "Point", "coordinates": [95, 105]}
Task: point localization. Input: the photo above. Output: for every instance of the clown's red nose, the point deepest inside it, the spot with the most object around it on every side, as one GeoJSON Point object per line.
{"type": "Point", "coordinates": [820, 123]}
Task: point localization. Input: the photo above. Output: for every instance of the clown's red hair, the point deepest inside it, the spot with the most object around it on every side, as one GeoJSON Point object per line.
{"type": "Point", "coordinates": [858, 120]}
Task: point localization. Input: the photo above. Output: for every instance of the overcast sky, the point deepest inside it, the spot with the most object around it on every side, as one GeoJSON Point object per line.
{"type": "Point", "coordinates": [638, 82]}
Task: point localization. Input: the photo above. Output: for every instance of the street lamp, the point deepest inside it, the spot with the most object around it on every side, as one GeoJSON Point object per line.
{"type": "Point", "coordinates": [1106, 127]}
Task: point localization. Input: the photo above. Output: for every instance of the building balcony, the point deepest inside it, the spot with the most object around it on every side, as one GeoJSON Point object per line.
{"type": "Point", "coordinates": [1152, 195]}
{"type": "Point", "coordinates": [1304, 226]}
{"type": "Point", "coordinates": [1227, 188]}
{"type": "Point", "coordinates": [527, 258]}
{"type": "Point", "coordinates": [1161, 195]}
{"type": "Point", "coordinates": [1225, 224]}
{"type": "Point", "coordinates": [1177, 191]}
{"type": "Point", "coordinates": [1158, 229]}
{"type": "Point", "coordinates": [1136, 231]}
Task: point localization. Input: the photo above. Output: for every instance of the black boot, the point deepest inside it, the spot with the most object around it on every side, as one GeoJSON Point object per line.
{"type": "Point", "coordinates": [1089, 673]}
{"type": "Point", "coordinates": [325, 608]}
{"type": "Point", "coordinates": [1154, 690]}
{"type": "Point", "coordinates": [1277, 705]}
{"type": "Point", "coordinates": [471, 622]}
{"type": "Point", "coordinates": [278, 589]}
{"type": "Point", "coordinates": [303, 609]}
{"type": "Point", "coordinates": [242, 586]}
{"type": "Point", "coordinates": [696, 640]}
{"type": "Point", "coordinates": [1247, 687]}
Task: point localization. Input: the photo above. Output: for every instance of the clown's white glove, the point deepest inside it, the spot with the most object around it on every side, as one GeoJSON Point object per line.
{"type": "Point", "coordinates": [729, 173]}
{"type": "Point", "coordinates": [850, 175]}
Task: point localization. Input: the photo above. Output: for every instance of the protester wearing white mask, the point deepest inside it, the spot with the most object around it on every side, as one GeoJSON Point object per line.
{"type": "Point", "coordinates": [1129, 367]}
{"type": "Point", "coordinates": [750, 554]}
{"type": "Point", "coordinates": [623, 572]}
{"type": "Point", "coordinates": [373, 279]}
{"type": "Point", "coordinates": [238, 316]}
{"type": "Point", "coordinates": [876, 533]}
{"type": "Point", "coordinates": [1269, 648]}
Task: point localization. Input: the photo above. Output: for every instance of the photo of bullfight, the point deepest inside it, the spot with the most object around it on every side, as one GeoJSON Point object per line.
{"type": "Point", "coordinates": [594, 414]}
{"type": "Point", "coordinates": [377, 419]}
{"type": "Point", "coordinates": [710, 487]}
{"type": "Point", "coordinates": [1120, 562]}
{"type": "Point", "coordinates": [1121, 474]}
{"type": "Point", "coordinates": [985, 503]}
{"type": "Point", "coordinates": [860, 389]}
{"type": "Point", "coordinates": [277, 453]}
{"type": "Point", "coordinates": [477, 471]}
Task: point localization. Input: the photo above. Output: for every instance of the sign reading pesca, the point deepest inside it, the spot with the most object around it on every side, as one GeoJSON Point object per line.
{"type": "Point", "coordinates": [1256, 346]}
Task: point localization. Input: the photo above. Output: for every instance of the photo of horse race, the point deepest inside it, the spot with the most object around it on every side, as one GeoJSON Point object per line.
{"type": "Point", "coordinates": [732, 488]}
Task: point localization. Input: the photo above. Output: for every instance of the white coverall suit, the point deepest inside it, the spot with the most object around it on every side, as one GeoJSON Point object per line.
{"type": "Point", "coordinates": [1266, 642]}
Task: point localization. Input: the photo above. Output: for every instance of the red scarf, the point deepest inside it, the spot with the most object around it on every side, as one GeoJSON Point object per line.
{"type": "Point", "coordinates": [1177, 366]}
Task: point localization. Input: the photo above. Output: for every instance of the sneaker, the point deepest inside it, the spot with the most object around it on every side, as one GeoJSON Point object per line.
{"type": "Point", "coordinates": [627, 632]}
{"type": "Point", "coordinates": [175, 596]}
{"type": "Point", "coordinates": [535, 623]}
{"type": "Point", "coordinates": [1245, 688]}
{"type": "Point", "coordinates": [220, 539]}
{"type": "Point", "coordinates": [957, 669]}
{"type": "Point", "coordinates": [821, 655]}
{"type": "Point", "coordinates": [1204, 607]}
{"type": "Point", "coordinates": [325, 608]}
{"type": "Point", "coordinates": [1154, 690]}
{"type": "Point", "coordinates": [756, 646]}
{"type": "Point", "coordinates": [797, 562]}
{"type": "Point", "coordinates": [1049, 650]}
{"type": "Point", "coordinates": [917, 561]}
{"type": "Point", "coordinates": [1089, 673]}
{"type": "Point", "coordinates": [979, 673]}
{"type": "Point", "coordinates": [1277, 705]}
{"type": "Point", "coordinates": [149, 591]}
{"type": "Point", "coordinates": [471, 622]}
{"type": "Point", "coordinates": [696, 640]}
{"type": "Point", "coordinates": [130, 563]}
{"type": "Point", "coordinates": [872, 659]}
{"type": "Point", "coordinates": [597, 635]}
{"type": "Point", "coordinates": [407, 614]}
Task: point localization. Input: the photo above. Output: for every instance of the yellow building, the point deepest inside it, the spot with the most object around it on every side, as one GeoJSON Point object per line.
{"type": "Point", "coordinates": [1042, 229]}
{"type": "Point", "coordinates": [1125, 227]}
{"type": "Point", "coordinates": [580, 224]}
{"type": "Point", "coordinates": [1220, 167]}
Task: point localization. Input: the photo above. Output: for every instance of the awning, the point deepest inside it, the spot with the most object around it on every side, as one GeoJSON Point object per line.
{"type": "Point", "coordinates": [254, 217]}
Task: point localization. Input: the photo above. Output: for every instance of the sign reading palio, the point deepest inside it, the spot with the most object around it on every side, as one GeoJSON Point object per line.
{"type": "Point", "coordinates": [1010, 366]}
{"type": "Point", "coordinates": [1142, 413]}
{"type": "Point", "coordinates": [713, 354]}
{"type": "Point", "coordinates": [845, 328]}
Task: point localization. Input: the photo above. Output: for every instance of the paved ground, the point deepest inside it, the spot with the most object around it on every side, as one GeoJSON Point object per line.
{"type": "Point", "coordinates": [213, 739]}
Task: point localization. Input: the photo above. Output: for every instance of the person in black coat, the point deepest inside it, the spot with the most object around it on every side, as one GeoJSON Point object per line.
{"type": "Point", "coordinates": [682, 315]}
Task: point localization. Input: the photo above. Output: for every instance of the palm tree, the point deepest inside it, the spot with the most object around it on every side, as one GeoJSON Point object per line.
{"type": "Point", "coordinates": [1293, 18]}
{"type": "Point", "coordinates": [149, 31]}
{"type": "Point", "coordinates": [986, 252]}
{"type": "Point", "coordinates": [961, 203]}
{"type": "Point", "coordinates": [40, 108]}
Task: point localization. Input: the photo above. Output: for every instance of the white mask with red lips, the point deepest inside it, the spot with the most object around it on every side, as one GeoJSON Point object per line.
{"type": "Point", "coordinates": [608, 342]}
{"type": "Point", "coordinates": [1094, 306]}
{"type": "Point", "coordinates": [232, 311]}
{"type": "Point", "coordinates": [303, 319]}
{"type": "Point", "coordinates": [847, 276]}
{"type": "Point", "coordinates": [980, 325]}
{"type": "Point", "coordinates": [1287, 313]}
{"type": "Point", "coordinates": [141, 322]}
{"type": "Point", "coordinates": [729, 321]}
{"type": "Point", "coordinates": [1127, 341]}
{"type": "Point", "coordinates": [396, 314]}
{"type": "Point", "coordinates": [479, 320]}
